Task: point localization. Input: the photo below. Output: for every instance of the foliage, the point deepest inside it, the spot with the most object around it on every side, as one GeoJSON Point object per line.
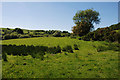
{"type": "Point", "coordinates": [8, 33]}
{"type": "Point", "coordinates": [89, 16]}
{"type": "Point", "coordinates": [34, 51]}
{"type": "Point", "coordinates": [84, 20]}
{"type": "Point", "coordinates": [104, 34]}
{"type": "Point", "coordinates": [18, 30]}
{"type": "Point", "coordinates": [10, 36]}
{"type": "Point", "coordinates": [4, 56]}
{"type": "Point", "coordinates": [81, 29]}
{"type": "Point", "coordinates": [86, 61]}
{"type": "Point", "coordinates": [68, 48]}
{"type": "Point", "coordinates": [57, 34]}
{"type": "Point", "coordinates": [111, 46]}
{"type": "Point", "coordinates": [76, 47]}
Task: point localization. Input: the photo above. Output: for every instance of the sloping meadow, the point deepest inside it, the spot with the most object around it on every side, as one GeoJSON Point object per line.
{"type": "Point", "coordinates": [59, 58]}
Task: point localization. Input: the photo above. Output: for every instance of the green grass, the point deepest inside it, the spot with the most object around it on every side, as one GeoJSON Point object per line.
{"type": "Point", "coordinates": [0, 69]}
{"type": "Point", "coordinates": [51, 41]}
{"type": "Point", "coordinates": [117, 30]}
{"type": "Point", "coordinates": [83, 63]}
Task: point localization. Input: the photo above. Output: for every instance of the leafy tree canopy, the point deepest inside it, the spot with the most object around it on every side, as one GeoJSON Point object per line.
{"type": "Point", "coordinates": [84, 20]}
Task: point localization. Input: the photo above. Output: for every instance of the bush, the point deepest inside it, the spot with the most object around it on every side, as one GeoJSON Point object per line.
{"type": "Point", "coordinates": [58, 50]}
{"type": "Point", "coordinates": [4, 56]}
{"type": "Point", "coordinates": [76, 47]}
{"type": "Point", "coordinates": [38, 55]}
{"type": "Point", "coordinates": [68, 49]}
{"type": "Point", "coordinates": [80, 38]}
{"type": "Point", "coordinates": [33, 55]}
{"type": "Point", "coordinates": [65, 31]}
{"type": "Point", "coordinates": [18, 30]}
{"type": "Point", "coordinates": [101, 48]}
{"type": "Point", "coordinates": [117, 36]}
{"type": "Point", "coordinates": [10, 36]}
{"type": "Point", "coordinates": [85, 38]}
{"type": "Point", "coordinates": [52, 50]}
{"type": "Point", "coordinates": [65, 53]}
{"type": "Point", "coordinates": [115, 47]}
{"type": "Point", "coordinates": [57, 34]}
{"type": "Point", "coordinates": [34, 51]}
{"type": "Point", "coordinates": [7, 36]}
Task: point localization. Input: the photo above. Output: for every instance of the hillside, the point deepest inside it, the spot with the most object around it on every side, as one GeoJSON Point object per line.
{"type": "Point", "coordinates": [8, 33]}
{"type": "Point", "coordinates": [94, 59]}
{"type": "Point", "coordinates": [111, 34]}
{"type": "Point", "coordinates": [58, 56]}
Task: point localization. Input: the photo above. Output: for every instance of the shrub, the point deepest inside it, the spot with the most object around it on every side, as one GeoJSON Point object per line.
{"type": "Point", "coordinates": [18, 30]}
{"type": "Point", "coordinates": [117, 36]}
{"type": "Point", "coordinates": [85, 38]}
{"type": "Point", "coordinates": [68, 49]}
{"type": "Point", "coordinates": [115, 47]}
{"type": "Point", "coordinates": [7, 36]}
{"type": "Point", "coordinates": [65, 53]}
{"type": "Point", "coordinates": [57, 34]}
{"type": "Point", "coordinates": [10, 36]}
{"type": "Point", "coordinates": [58, 50]}
{"type": "Point", "coordinates": [52, 50]}
{"type": "Point", "coordinates": [80, 38]}
{"type": "Point", "coordinates": [38, 55]}
{"type": "Point", "coordinates": [76, 47]}
{"type": "Point", "coordinates": [101, 48]}
{"type": "Point", "coordinates": [65, 31]}
{"type": "Point", "coordinates": [33, 55]}
{"type": "Point", "coordinates": [4, 56]}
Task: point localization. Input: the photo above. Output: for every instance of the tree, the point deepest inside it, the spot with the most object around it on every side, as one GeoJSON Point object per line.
{"type": "Point", "coordinates": [84, 19]}
{"type": "Point", "coordinates": [57, 34]}
{"type": "Point", "coordinates": [81, 29]}
{"type": "Point", "coordinates": [18, 30]}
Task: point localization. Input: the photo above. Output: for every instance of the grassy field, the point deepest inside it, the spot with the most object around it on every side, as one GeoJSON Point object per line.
{"type": "Point", "coordinates": [52, 41]}
{"type": "Point", "coordinates": [86, 62]}
{"type": "Point", "coordinates": [0, 69]}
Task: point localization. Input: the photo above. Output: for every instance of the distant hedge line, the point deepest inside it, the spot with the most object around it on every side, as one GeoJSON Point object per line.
{"type": "Point", "coordinates": [19, 33]}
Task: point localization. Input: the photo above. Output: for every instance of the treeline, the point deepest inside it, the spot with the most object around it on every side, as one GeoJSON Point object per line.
{"type": "Point", "coordinates": [20, 33]}
{"type": "Point", "coordinates": [110, 34]}
{"type": "Point", "coordinates": [34, 51]}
